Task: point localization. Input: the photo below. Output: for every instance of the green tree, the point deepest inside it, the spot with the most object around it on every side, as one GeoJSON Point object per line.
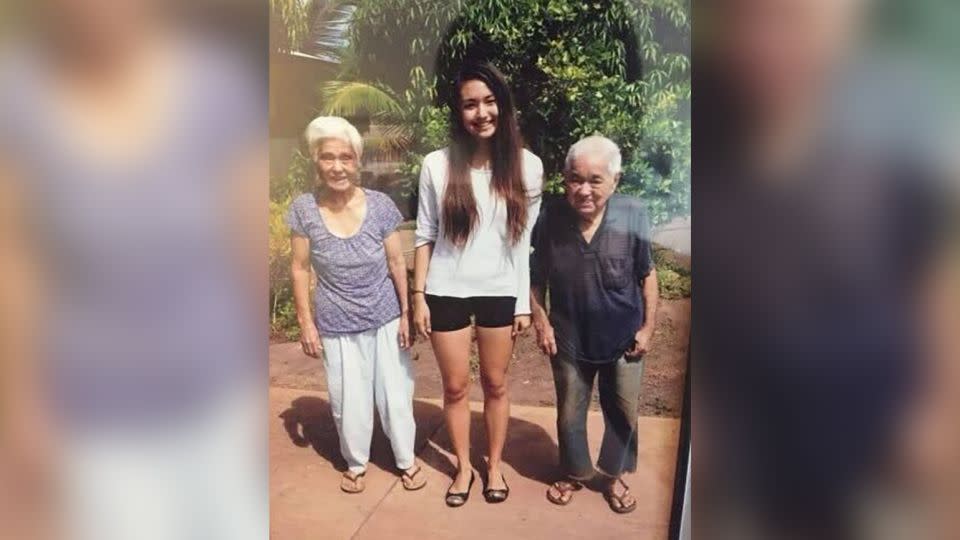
{"type": "Point", "coordinates": [604, 66]}
{"type": "Point", "coordinates": [314, 27]}
{"type": "Point", "coordinates": [321, 29]}
{"type": "Point", "coordinates": [372, 103]}
{"type": "Point", "coordinates": [289, 23]}
{"type": "Point", "coordinates": [616, 67]}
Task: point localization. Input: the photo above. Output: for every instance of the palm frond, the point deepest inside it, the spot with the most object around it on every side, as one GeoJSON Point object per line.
{"type": "Point", "coordinates": [328, 38]}
{"type": "Point", "coordinates": [353, 98]}
{"type": "Point", "coordinates": [391, 139]}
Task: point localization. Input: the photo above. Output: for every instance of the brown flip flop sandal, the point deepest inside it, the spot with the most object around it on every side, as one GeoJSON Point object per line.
{"type": "Point", "coordinates": [616, 501]}
{"type": "Point", "coordinates": [414, 480]}
{"type": "Point", "coordinates": [353, 483]}
{"type": "Point", "coordinates": [566, 489]}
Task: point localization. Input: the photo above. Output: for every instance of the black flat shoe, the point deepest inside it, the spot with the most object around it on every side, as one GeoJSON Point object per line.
{"type": "Point", "coordinates": [494, 496]}
{"type": "Point", "coordinates": [455, 500]}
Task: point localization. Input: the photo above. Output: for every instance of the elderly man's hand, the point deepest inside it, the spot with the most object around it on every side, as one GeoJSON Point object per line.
{"type": "Point", "coordinates": [641, 342]}
{"type": "Point", "coordinates": [546, 339]}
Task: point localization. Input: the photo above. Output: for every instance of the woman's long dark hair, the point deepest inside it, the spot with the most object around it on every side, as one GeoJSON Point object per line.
{"type": "Point", "coordinates": [506, 159]}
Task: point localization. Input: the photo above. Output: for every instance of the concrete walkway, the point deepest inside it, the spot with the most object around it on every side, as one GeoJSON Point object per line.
{"type": "Point", "coordinates": [674, 235]}
{"type": "Point", "coordinates": [306, 502]}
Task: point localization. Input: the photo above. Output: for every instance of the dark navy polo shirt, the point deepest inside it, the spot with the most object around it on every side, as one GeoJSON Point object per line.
{"type": "Point", "coordinates": [595, 288]}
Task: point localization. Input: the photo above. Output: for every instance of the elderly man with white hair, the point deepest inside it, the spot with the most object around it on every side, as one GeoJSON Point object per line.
{"type": "Point", "coordinates": [359, 321]}
{"type": "Point", "coordinates": [591, 251]}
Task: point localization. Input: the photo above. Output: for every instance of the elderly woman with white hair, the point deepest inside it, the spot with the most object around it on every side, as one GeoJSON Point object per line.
{"type": "Point", "coordinates": [359, 325]}
{"type": "Point", "coordinates": [592, 253]}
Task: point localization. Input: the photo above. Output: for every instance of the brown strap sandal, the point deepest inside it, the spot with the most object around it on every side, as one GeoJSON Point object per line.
{"type": "Point", "coordinates": [561, 491]}
{"type": "Point", "coordinates": [353, 483]}
{"type": "Point", "coordinates": [623, 503]}
{"type": "Point", "coordinates": [413, 478]}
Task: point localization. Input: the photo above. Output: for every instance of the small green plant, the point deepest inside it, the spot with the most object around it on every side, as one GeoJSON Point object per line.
{"type": "Point", "coordinates": [673, 285]}
{"type": "Point", "coordinates": [673, 274]}
{"type": "Point", "coordinates": [283, 313]}
{"type": "Point", "coordinates": [284, 317]}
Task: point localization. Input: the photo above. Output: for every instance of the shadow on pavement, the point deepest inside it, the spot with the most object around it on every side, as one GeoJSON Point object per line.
{"type": "Point", "coordinates": [529, 450]}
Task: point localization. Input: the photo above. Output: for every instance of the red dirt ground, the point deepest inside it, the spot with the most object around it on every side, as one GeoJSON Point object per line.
{"type": "Point", "coordinates": [530, 378]}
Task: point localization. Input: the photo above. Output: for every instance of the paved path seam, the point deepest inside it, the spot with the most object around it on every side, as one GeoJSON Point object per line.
{"type": "Point", "coordinates": [416, 452]}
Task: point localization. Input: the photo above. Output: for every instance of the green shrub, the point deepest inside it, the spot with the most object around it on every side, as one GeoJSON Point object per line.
{"type": "Point", "coordinates": [673, 274]}
{"type": "Point", "coordinates": [284, 317]}
{"type": "Point", "coordinates": [283, 313]}
{"type": "Point", "coordinates": [673, 285]}
{"type": "Point", "coordinates": [576, 69]}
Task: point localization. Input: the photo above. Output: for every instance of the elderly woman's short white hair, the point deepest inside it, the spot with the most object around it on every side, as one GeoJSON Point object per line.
{"type": "Point", "coordinates": [332, 127]}
{"type": "Point", "coordinates": [595, 144]}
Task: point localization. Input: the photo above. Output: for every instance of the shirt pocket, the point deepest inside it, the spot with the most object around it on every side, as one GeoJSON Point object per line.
{"type": "Point", "coordinates": [615, 272]}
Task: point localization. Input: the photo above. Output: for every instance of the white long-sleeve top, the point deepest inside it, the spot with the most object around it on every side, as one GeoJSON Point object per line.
{"type": "Point", "coordinates": [488, 265]}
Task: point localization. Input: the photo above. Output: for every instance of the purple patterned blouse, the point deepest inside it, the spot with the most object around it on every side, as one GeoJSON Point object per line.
{"type": "Point", "coordinates": [354, 291]}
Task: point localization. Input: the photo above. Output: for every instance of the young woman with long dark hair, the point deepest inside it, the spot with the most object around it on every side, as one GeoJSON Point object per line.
{"type": "Point", "coordinates": [479, 198]}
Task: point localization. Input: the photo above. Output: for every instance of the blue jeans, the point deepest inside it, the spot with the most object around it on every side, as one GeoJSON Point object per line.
{"type": "Point", "coordinates": [619, 389]}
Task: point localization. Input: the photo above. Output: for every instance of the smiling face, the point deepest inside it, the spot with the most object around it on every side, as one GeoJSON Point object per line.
{"type": "Point", "coordinates": [589, 184]}
{"type": "Point", "coordinates": [336, 164]}
{"type": "Point", "coordinates": [478, 109]}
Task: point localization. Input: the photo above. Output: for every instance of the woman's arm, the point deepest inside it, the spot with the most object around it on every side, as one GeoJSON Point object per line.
{"type": "Point", "coordinates": [398, 273]}
{"type": "Point", "coordinates": [300, 275]}
{"type": "Point", "coordinates": [421, 313]}
{"type": "Point", "coordinates": [428, 224]}
{"type": "Point", "coordinates": [522, 256]}
{"type": "Point", "coordinates": [521, 252]}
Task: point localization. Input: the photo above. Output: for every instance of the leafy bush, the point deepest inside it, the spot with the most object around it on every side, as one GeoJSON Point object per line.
{"type": "Point", "coordinates": [673, 274]}
{"type": "Point", "coordinates": [673, 285]}
{"type": "Point", "coordinates": [603, 66]}
{"type": "Point", "coordinates": [283, 313]}
{"type": "Point", "coordinates": [615, 67]}
{"type": "Point", "coordinates": [296, 181]}
{"type": "Point", "coordinates": [284, 317]}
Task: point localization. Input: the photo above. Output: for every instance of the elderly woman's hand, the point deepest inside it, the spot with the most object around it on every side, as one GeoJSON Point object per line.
{"type": "Point", "coordinates": [403, 333]}
{"type": "Point", "coordinates": [310, 341]}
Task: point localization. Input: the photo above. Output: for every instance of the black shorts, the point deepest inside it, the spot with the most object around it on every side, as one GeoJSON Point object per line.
{"type": "Point", "coordinates": [448, 313]}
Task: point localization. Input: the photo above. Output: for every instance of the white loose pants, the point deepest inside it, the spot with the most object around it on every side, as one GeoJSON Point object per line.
{"type": "Point", "coordinates": [363, 369]}
{"type": "Point", "coordinates": [200, 477]}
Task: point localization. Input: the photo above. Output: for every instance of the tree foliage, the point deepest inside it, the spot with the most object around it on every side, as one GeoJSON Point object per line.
{"type": "Point", "coordinates": [370, 103]}
{"type": "Point", "coordinates": [617, 67]}
{"type": "Point", "coordinates": [289, 23]}
{"type": "Point", "coordinates": [614, 67]}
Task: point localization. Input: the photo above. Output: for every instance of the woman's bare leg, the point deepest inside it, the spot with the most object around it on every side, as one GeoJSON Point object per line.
{"type": "Point", "coordinates": [453, 357]}
{"type": "Point", "coordinates": [496, 348]}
